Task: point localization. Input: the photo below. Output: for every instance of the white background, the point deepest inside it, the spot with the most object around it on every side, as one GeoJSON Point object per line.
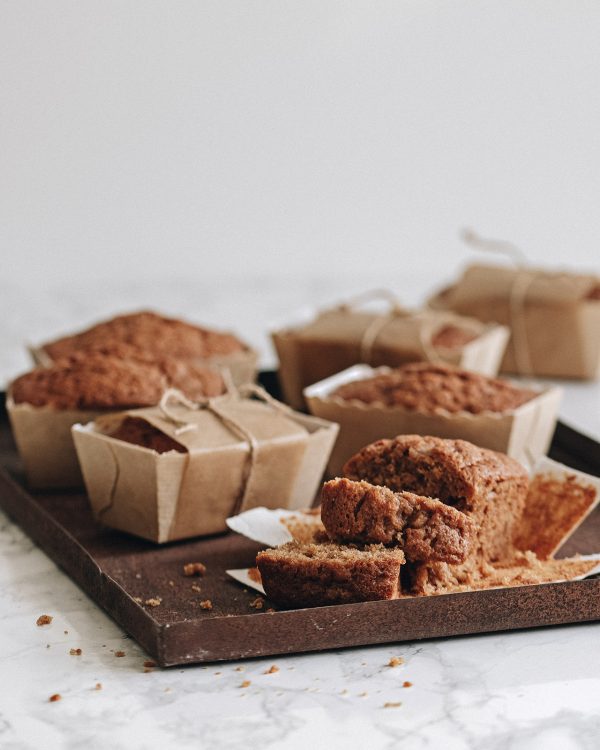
{"type": "Point", "coordinates": [233, 160]}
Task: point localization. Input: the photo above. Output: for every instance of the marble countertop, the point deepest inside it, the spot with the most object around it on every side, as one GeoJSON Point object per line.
{"type": "Point", "coordinates": [527, 690]}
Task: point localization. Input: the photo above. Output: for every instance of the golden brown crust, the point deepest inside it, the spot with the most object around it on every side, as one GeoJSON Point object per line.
{"type": "Point", "coordinates": [308, 575]}
{"type": "Point", "coordinates": [424, 528]}
{"type": "Point", "coordinates": [98, 382]}
{"type": "Point", "coordinates": [431, 388]}
{"type": "Point", "coordinates": [489, 486]}
{"type": "Point", "coordinates": [147, 332]}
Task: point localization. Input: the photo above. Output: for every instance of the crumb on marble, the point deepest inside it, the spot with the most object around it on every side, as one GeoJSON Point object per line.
{"type": "Point", "coordinates": [98, 686]}
{"type": "Point", "coordinates": [392, 704]}
{"type": "Point", "coordinates": [363, 695]}
{"type": "Point", "coordinates": [407, 683]}
{"type": "Point", "coordinates": [149, 663]}
{"type": "Point", "coordinates": [66, 632]}
{"type": "Point", "coordinates": [154, 601]}
{"type": "Point", "coordinates": [43, 620]}
{"type": "Point", "coordinates": [395, 661]}
{"type": "Point", "coordinates": [55, 697]}
{"type": "Point", "coordinates": [194, 569]}
{"type": "Point", "coordinates": [246, 683]}
{"type": "Point", "coordinates": [257, 603]}
{"type": "Point", "coordinates": [75, 652]}
{"type": "Point", "coordinates": [240, 669]}
{"type": "Point", "coordinates": [272, 670]}
{"type": "Point", "coordinates": [147, 670]}
{"type": "Point", "coordinates": [119, 654]}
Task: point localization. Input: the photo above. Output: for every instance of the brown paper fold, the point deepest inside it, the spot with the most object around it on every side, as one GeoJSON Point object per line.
{"type": "Point", "coordinates": [344, 336]}
{"type": "Point", "coordinates": [169, 496]}
{"type": "Point", "coordinates": [45, 445]}
{"type": "Point", "coordinates": [523, 433]}
{"type": "Point", "coordinates": [554, 317]}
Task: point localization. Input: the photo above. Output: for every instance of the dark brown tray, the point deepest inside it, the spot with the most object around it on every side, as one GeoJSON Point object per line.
{"type": "Point", "coordinates": [113, 568]}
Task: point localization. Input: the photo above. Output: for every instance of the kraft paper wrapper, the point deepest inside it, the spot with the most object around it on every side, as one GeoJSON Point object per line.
{"type": "Point", "coordinates": [559, 324]}
{"type": "Point", "coordinates": [268, 527]}
{"type": "Point", "coordinates": [524, 433]}
{"type": "Point", "coordinates": [242, 366]}
{"type": "Point", "coordinates": [170, 496]}
{"type": "Point", "coordinates": [45, 445]}
{"type": "Point", "coordinates": [332, 342]}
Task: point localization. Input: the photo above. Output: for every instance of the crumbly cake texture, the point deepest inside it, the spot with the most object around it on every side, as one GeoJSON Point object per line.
{"type": "Point", "coordinates": [426, 529]}
{"type": "Point", "coordinates": [147, 331]}
{"type": "Point", "coordinates": [306, 527]}
{"type": "Point", "coordinates": [99, 382]}
{"type": "Point", "coordinates": [554, 508]}
{"type": "Point", "coordinates": [452, 337]}
{"type": "Point", "coordinates": [139, 432]}
{"type": "Point", "coordinates": [431, 388]}
{"type": "Point", "coordinates": [489, 487]}
{"type": "Point", "coordinates": [523, 569]}
{"type": "Point", "coordinates": [305, 575]}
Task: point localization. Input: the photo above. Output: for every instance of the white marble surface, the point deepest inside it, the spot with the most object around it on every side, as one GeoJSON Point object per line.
{"type": "Point", "coordinates": [536, 690]}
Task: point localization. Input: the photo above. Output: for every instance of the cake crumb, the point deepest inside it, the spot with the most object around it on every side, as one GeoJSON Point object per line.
{"type": "Point", "coordinates": [406, 683]}
{"type": "Point", "coordinates": [194, 569]}
{"type": "Point", "coordinates": [270, 611]}
{"type": "Point", "coordinates": [153, 602]}
{"type": "Point", "coordinates": [217, 674]}
{"type": "Point", "coordinates": [138, 575]}
{"type": "Point", "coordinates": [257, 603]}
{"type": "Point", "coordinates": [395, 661]}
{"type": "Point", "coordinates": [119, 653]}
{"type": "Point", "coordinates": [363, 695]}
{"type": "Point", "coordinates": [272, 669]}
{"type": "Point", "coordinates": [392, 704]}
{"type": "Point", "coordinates": [171, 583]}
{"type": "Point", "coordinates": [196, 588]}
{"type": "Point", "coordinates": [75, 652]}
{"type": "Point", "coordinates": [98, 686]}
{"type": "Point", "coordinates": [66, 632]}
{"type": "Point", "coordinates": [206, 604]}
{"type": "Point", "coordinates": [245, 684]}
{"type": "Point", "coordinates": [43, 620]}
{"type": "Point", "coordinates": [254, 575]}
{"type": "Point", "coordinates": [149, 663]}
{"type": "Point", "coordinates": [240, 669]}
{"type": "Point", "coordinates": [344, 692]}
{"type": "Point", "coordinates": [55, 697]}
{"type": "Point", "coordinates": [137, 599]}
{"type": "Point", "coordinates": [47, 645]}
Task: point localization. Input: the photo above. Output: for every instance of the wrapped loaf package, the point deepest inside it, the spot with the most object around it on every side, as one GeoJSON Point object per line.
{"type": "Point", "coordinates": [523, 430]}
{"type": "Point", "coordinates": [554, 317]}
{"type": "Point", "coordinates": [148, 334]}
{"type": "Point", "coordinates": [179, 470]}
{"type": "Point", "coordinates": [346, 335]}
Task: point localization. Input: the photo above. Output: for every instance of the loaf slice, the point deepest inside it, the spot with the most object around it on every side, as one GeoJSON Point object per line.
{"type": "Point", "coordinates": [427, 530]}
{"type": "Point", "coordinates": [487, 486]}
{"type": "Point", "coordinates": [307, 575]}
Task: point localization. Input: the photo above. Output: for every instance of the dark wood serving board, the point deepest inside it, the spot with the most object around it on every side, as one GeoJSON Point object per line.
{"type": "Point", "coordinates": [114, 569]}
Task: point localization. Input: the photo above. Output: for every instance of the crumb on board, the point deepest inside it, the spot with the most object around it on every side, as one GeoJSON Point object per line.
{"type": "Point", "coordinates": [138, 599]}
{"type": "Point", "coordinates": [206, 604]}
{"type": "Point", "coordinates": [75, 652]}
{"type": "Point", "coordinates": [154, 601]}
{"type": "Point", "coordinates": [272, 670]}
{"type": "Point", "coordinates": [196, 588]}
{"type": "Point", "coordinates": [257, 603]}
{"type": "Point", "coordinates": [245, 684]}
{"type": "Point", "coordinates": [149, 663]}
{"type": "Point", "coordinates": [194, 569]}
{"type": "Point", "coordinates": [55, 697]}
{"type": "Point", "coordinates": [407, 683]}
{"type": "Point", "coordinates": [119, 653]}
{"type": "Point", "coordinates": [395, 661]}
{"type": "Point", "coordinates": [392, 704]}
{"type": "Point", "coordinates": [138, 575]}
{"type": "Point", "coordinates": [43, 620]}
{"type": "Point", "coordinates": [171, 583]}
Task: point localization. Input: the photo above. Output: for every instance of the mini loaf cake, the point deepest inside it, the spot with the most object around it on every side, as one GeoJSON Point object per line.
{"type": "Point", "coordinates": [99, 382]}
{"type": "Point", "coordinates": [430, 388]}
{"type": "Point", "coordinates": [147, 332]}
{"type": "Point", "coordinates": [426, 529]}
{"type": "Point", "coordinates": [139, 432]}
{"type": "Point", "coordinates": [307, 575]}
{"type": "Point", "coordinates": [487, 486]}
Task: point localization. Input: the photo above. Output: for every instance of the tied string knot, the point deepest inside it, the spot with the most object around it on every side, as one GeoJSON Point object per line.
{"type": "Point", "coordinates": [213, 405]}
{"type": "Point", "coordinates": [426, 325]}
